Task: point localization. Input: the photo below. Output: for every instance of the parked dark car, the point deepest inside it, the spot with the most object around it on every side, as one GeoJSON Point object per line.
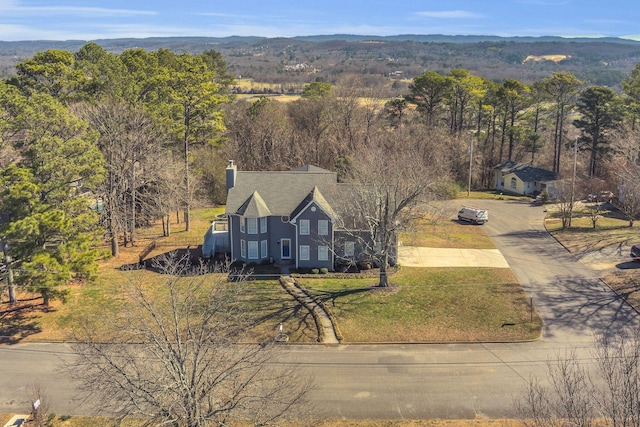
{"type": "Point", "coordinates": [635, 252]}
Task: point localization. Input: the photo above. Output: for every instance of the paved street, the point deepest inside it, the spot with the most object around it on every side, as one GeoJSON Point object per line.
{"type": "Point", "coordinates": [425, 380]}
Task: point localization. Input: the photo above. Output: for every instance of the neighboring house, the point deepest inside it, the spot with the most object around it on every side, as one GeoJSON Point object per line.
{"type": "Point", "coordinates": [292, 218]}
{"type": "Point", "coordinates": [519, 178]}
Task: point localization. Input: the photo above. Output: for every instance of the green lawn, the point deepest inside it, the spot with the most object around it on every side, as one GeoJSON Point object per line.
{"type": "Point", "coordinates": [430, 305]}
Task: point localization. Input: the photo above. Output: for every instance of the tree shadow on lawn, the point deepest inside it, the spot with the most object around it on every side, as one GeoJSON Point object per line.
{"type": "Point", "coordinates": [18, 322]}
{"type": "Point", "coordinates": [332, 296]}
{"type": "Point", "coordinates": [275, 310]}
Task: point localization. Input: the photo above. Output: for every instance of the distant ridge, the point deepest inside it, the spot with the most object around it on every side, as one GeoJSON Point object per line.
{"type": "Point", "coordinates": [441, 38]}
{"type": "Point", "coordinates": [422, 38]}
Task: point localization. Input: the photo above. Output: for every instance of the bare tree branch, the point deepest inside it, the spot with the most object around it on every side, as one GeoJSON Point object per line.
{"type": "Point", "coordinates": [175, 355]}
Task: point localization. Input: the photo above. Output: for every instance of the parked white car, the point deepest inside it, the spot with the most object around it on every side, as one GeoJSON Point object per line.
{"type": "Point", "coordinates": [473, 215]}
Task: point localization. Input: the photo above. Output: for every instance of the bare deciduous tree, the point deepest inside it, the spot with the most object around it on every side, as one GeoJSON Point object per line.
{"type": "Point", "coordinates": [40, 406]}
{"type": "Point", "coordinates": [564, 194]}
{"type": "Point", "coordinates": [626, 169]}
{"type": "Point", "coordinates": [174, 355]}
{"type": "Point", "coordinates": [564, 400]}
{"type": "Point", "coordinates": [573, 395]}
{"type": "Point", "coordinates": [395, 174]}
{"type": "Point", "coordinates": [131, 145]}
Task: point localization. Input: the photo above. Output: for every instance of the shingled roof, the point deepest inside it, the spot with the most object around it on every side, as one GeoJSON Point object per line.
{"type": "Point", "coordinates": [279, 192]}
{"type": "Point", "coordinates": [526, 173]}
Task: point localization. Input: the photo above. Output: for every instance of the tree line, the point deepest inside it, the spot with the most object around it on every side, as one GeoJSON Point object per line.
{"type": "Point", "coordinates": [94, 144]}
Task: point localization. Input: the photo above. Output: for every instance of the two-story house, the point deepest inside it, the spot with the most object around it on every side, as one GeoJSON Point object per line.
{"type": "Point", "coordinates": [293, 217]}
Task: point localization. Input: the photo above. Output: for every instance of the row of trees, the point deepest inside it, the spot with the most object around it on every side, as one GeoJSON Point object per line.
{"type": "Point", "coordinates": [95, 143]}
{"type": "Point", "coordinates": [555, 123]}
{"type": "Point", "coordinates": [510, 119]}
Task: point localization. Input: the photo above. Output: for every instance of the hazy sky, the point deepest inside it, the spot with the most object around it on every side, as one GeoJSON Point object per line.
{"type": "Point", "coordinates": [90, 20]}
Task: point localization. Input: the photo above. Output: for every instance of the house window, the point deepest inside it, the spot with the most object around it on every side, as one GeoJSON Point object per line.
{"type": "Point", "coordinates": [263, 224]}
{"type": "Point", "coordinates": [349, 249]}
{"type": "Point", "coordinates": [304, 227]}
{"type": "Point", "coordinates": [323, 227]}
{"type": "Point", "coordinates": [323, 253]}
{"type": "Point", "coordinates": [514, 184]}
{"type": "Point", "coordinates": [253, 249]}
{"type": "Point", "coordinates": [263, 248]}
{"type": "Point", "coordinates": [241, 224]}
{"type": "Point", "coordinates": [252, 225]}
{"type": "Point", "coordinates": [243, 248]}
{"type": "Point", "coordinates": [304, 252]}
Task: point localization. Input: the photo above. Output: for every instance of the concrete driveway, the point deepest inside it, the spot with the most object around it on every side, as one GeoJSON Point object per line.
{"type": "Point", "coordinates": [410, 256]}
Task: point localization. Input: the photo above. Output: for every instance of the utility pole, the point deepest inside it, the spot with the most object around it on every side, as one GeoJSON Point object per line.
{"type": "Point", "coordinates": [573, 178]}
{"type": "Point", "coordinates": [470, 166]}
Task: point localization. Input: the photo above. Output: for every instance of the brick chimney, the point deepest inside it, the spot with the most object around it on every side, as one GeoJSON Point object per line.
{"type": "Point", "coordinates": [232, 172]}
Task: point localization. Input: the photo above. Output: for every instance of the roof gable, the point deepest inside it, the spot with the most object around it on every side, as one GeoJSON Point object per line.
{"type": "Point", "coordinates": [254, 206]}
{"type": "Point", "coordinates": [315, 196]}
{"type": "Point", "coordinates": [280, 192]}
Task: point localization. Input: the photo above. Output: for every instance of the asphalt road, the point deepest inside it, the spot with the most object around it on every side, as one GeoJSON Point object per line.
{"type": "Point", "coordinates": [416, 381]}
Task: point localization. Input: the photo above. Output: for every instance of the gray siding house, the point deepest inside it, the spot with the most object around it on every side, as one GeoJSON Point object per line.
{"type": "Point", "coordinates": [290, 218]}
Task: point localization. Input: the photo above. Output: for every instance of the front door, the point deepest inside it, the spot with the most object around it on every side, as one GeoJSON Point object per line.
{"type": "Point", "coordinates": [285, 248]}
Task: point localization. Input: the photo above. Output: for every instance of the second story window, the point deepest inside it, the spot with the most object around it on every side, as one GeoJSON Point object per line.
{"type": "Point", "coordinates": [252, 225]}
{"type": "Point", "coordinates": [323, 227]}
{"type": "Point", "coordinates": [241, 224]}
{"type": "Point", "coordinates": [304, 227]}
{"type": "Point", "coordinates": [263, 224]}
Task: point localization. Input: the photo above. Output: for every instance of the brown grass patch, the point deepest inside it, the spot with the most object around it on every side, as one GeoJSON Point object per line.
{"type": "Point", "coordinates": [104, 422]}
{"type": "Point", "coordinates": [626, 284]}
{"type": "Point", "coordinates": [445, 233]}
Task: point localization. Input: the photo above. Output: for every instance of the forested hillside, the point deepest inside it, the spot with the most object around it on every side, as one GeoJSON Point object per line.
{"type": "Point", "coordinates": [597, 61]}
